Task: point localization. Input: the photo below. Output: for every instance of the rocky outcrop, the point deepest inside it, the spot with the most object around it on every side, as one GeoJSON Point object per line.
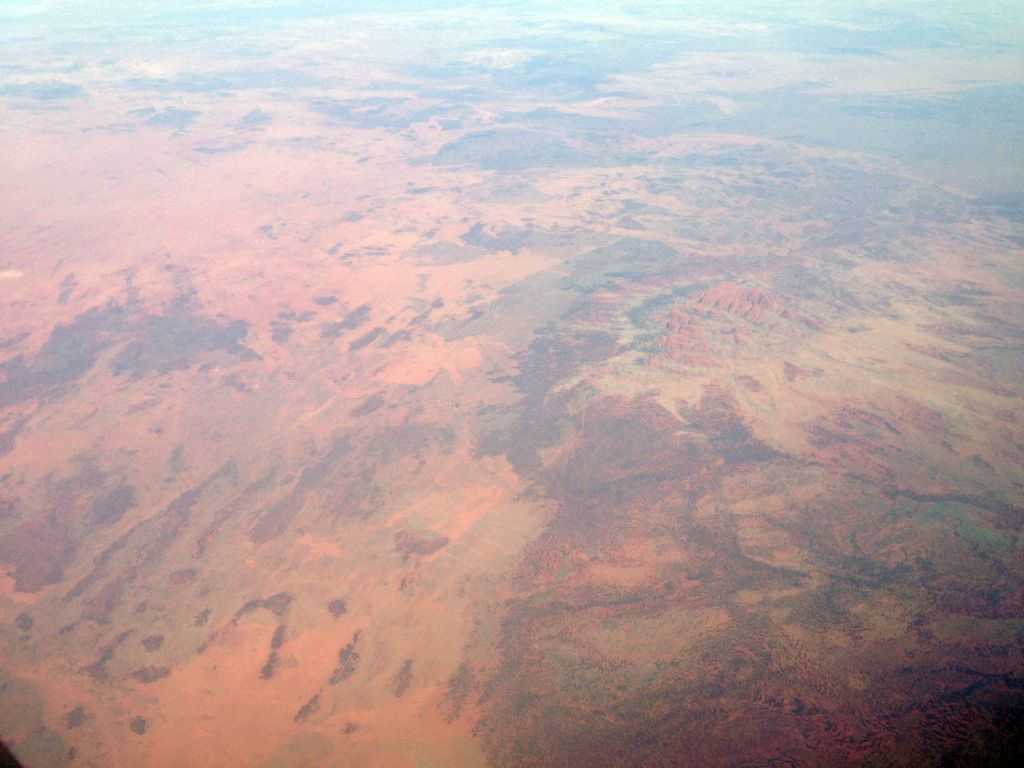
{"type": "Point", "coordinates": [748, 302]}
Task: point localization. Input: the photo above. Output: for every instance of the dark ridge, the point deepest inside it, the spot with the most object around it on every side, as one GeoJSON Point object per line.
{"type": "Point", "coordinates": [276, 518]}
{"type": "Point", "coordinates": [277, 604]}
{"type": "Point", "coordinates": [269, 667]}
{"type": "Point", "coordinates": [346, 495]}
{"type": "Point", "coordinates": [366, 339]}
{"type": "Point", "coordinates": [401, 679]}
{"type": "Point", "coordinates": [410, 544]}
{"type": "Point", "coordinates": [67, 287]}
{"type": "Point", "coordinates": [98, 668]}
{"type": "Point", "coordinates": [348, 660]}
{"type": "Point", "coordinates": [369, 405]}
{"type": "Point", "coordinates": [356, 317]}
{"type": "Point", "coordinates": [151, 674]}
{"type": "Point", "coordinates": [138, 725]}
{"type": "Point", "coordinates": [337, 607]}
{"type": "Point", "coordinates": [394, 338]}
{"type": "Point", "coordinates": [278, 639]}
{"type": "Point", "coordinates": [176, 461]}
{"type": "Point", "coordinates": [330, 330]}
{"type": "Point", "coordinates": [106, 601]}
{"type": "Point", "coordinates": [460, 686]}
{"type": "Point", "coordinates": [307, 709]}
{"type": "Point", "coordinates": [144, 545]}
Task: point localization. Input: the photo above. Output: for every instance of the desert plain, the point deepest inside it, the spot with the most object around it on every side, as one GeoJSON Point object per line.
{"type": "Point", "coordinates": [422, 385]}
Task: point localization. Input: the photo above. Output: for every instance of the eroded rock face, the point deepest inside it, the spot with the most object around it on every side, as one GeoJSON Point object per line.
{"type": "Point", "coordinates": [749, 302]}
